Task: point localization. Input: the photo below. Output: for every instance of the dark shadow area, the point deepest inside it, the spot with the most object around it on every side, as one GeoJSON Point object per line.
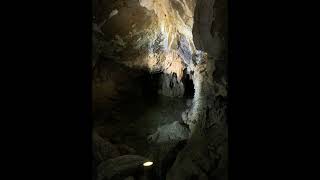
{"type": "Point", "coordinates": [130, 109]}
{"type": "Point", "coordinates": [149, 84]}
{"type": "Point", "coordinates": [135, 109]}
{"type": "Point", "coordinates": [188, 86]}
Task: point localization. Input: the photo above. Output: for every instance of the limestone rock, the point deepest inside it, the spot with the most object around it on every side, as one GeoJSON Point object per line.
{"type": "Point", "coordinates": [170, 36]}
{"type": "Point", "coordinates": [170, 132]}
{"type": "Point", "coordinates": [147, 4]}
{"type": "Point", "coordinates": [184, 50]}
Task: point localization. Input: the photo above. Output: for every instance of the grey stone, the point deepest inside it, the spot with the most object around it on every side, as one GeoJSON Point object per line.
{"type": "Point", "coordinates": [195, 31]}
{"type": "Point", "coordinates": [184, 50]}
{"type": "Point", "coordinates": [170, 132]}
{"type": "Point", "coordinates": [198, 57]}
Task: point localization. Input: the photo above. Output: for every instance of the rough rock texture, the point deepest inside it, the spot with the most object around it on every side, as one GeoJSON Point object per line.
{"type": "Point", "coordinates": [205, 155]}
{"type": "Point", "coordinates": [171, 132]}
{"type": "Point", "coordinates": [175, 38]}
{"type": "Point", "coordinates": [146, 39]}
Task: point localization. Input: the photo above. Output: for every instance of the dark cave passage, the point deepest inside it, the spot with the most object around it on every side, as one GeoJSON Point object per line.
{"type": "Point", "coordinates": [138, 110]}
{"type": "Point", "coordinates": [188, 86]}
{"type": "Point", "coordinates": [141, 114]}
{"type": "Point", "coordinates": [149, 84]}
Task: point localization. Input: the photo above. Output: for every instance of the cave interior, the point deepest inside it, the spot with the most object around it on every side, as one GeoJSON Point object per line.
{"type": "Point", "coordinates": [159, 90]}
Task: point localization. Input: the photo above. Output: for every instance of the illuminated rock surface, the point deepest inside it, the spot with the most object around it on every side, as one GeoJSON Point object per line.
{"type": "Point", "coordinates": [146, 49]}
{"type": "Point", "coordinates": [170, 132]}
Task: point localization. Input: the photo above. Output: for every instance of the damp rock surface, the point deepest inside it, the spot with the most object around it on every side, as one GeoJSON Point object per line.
{"type": "Point", "coordinates": [160, 72]}
{"type": "Point", "coordinates": [175, 131]}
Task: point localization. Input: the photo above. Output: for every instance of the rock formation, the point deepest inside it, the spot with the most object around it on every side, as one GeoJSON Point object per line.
{"type": "Point", "coordinates": [181, 41]}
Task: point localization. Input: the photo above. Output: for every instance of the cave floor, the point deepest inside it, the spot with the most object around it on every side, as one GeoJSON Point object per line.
{"type": "Point", "coordinates": [138, 118]}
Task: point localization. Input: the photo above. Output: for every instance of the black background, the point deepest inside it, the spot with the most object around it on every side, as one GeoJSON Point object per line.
{"type": "Point", "coordinates": [273, 49]}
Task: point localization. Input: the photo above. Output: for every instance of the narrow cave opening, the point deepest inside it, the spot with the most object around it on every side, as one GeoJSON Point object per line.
{"type": "Point", "coordinates": [188, 85]}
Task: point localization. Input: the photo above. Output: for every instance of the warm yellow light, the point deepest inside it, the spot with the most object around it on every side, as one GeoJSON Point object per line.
{"type": "Point", "coordinates": [148, 163]}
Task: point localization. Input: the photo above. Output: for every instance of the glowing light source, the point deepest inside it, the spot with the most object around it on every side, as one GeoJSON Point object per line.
{"type": "Point", "coordinates": [114, 12]}
{"type": "Point", "coordinates": [148, 163]}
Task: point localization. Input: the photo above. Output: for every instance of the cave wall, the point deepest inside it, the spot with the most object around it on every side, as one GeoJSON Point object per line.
{"type": "Point", "coordinates": [206, 154]}
{"type": "Point", "coordinates": [174, 37]}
